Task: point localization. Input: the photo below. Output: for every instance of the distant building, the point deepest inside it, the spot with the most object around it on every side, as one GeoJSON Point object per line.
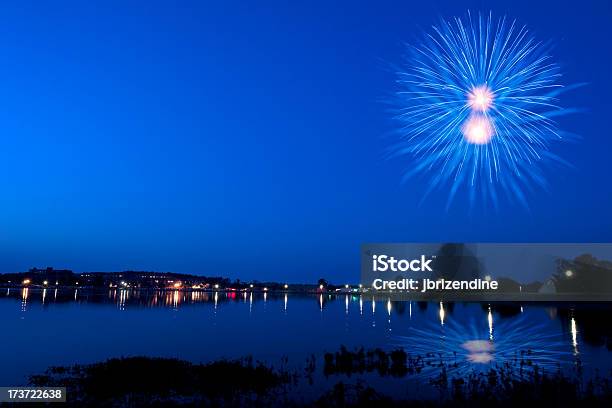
{"type": "Point", "coordinates": [548, 288]}
{"type": "Point", "coordinates": [50, 274]}
{"type": "Point", "coordinates": [49, 270]}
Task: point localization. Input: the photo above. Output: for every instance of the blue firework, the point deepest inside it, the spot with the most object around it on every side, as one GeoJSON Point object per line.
{"type": "Point", "coordinates": [476, 104]}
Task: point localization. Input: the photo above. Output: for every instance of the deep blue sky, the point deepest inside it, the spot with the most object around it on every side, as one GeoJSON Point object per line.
{"type": "Point", "coordinates": [248, 140]}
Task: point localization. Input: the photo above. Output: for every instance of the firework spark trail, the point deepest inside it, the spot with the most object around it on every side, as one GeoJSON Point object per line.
{"type": "Point", "coordinates": [466, 345]}
{"type": "Point", "coordinates": [476, 107]}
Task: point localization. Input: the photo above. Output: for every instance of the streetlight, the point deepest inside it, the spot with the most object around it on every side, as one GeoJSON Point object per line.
{"type": "Point", "coordinates": [569, 273]}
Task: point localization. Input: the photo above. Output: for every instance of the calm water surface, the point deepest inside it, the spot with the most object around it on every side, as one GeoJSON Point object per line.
{"type": "Point", "coordinates": [42, 328]}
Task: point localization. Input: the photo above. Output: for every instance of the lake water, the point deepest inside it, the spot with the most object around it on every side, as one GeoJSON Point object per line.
{"type": "Point", "coordinates": [63, 327]}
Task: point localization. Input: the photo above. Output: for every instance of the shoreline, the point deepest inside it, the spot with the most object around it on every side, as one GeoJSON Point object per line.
{"type": "Point", "coordinates": [407, 296]}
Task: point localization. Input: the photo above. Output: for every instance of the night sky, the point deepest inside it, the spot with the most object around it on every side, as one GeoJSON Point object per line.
{"type": "Point", "coordinates": [248, 140]}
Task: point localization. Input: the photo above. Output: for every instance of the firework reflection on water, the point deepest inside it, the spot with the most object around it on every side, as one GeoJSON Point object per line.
{"type": "Point", "coordinates": [463, 343]}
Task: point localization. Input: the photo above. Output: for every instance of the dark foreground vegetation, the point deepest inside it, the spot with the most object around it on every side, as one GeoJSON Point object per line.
{"type": "Point", "coordinates": [142, 381]}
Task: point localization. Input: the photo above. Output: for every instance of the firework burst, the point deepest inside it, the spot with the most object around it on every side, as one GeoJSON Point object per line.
{"type": "Point", "coordinates": [476, 106]}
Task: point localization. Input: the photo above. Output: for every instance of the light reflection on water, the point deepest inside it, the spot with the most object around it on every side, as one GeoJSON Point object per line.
{"type": "Point", "coordinates": [81, 326]}
{"type": "Point", "coordinates": [24, 299]}
{"type": "Point", "coordinates": [574, 331]}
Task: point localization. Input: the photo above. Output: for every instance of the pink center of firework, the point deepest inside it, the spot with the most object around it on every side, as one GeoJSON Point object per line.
{"type": "Point", "coordinates": [482, 358]}
{"type": "Point", "coordinates": [480, 351]}
{"type": "Point", "coordinates": [478, 130]}
{"type": "Point", "coordinates": [480, 98]}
